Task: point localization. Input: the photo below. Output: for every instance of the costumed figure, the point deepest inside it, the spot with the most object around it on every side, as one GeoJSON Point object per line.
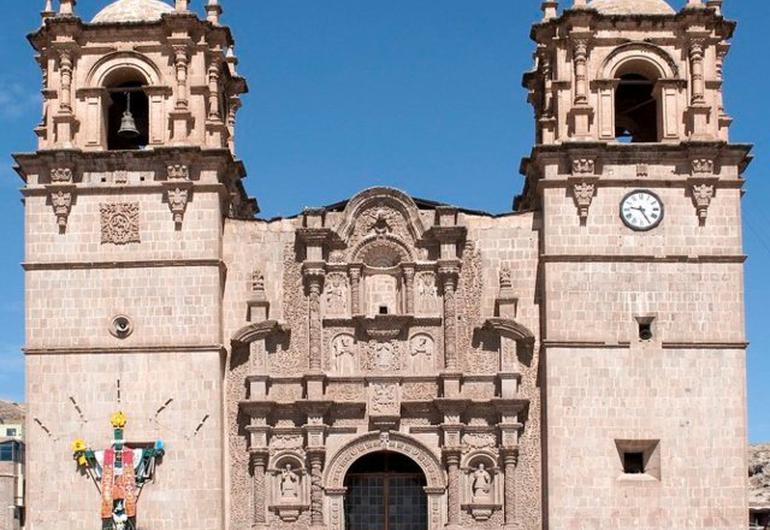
{"type": "Point", "coordinates": [119, 474]}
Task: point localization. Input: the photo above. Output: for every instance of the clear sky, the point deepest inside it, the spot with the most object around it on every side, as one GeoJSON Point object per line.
{"type": "Point", "coordinates": [424, 95]}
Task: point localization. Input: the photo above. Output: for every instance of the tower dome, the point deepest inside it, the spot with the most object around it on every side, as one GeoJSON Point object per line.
{"type": "Point", "coordinates": [632, 7]}
{"type": "Point", "coordinates": [132, 11]}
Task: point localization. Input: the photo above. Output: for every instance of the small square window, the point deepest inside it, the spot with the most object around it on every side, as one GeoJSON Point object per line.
{"type": "Point", "coordinates": [10, 432]}
{"type": "Point", "coordinates": [639, 458]}
{"type": "Point", "coordinates": [383, 310]}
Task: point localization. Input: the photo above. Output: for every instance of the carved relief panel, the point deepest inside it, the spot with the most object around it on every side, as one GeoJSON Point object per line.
{"type": "Point", "coordinates": [427, 300]}
{"type": "Point", "coordinates": [336, 295]}
{"type": "Point", "coordinates": [421, 358]}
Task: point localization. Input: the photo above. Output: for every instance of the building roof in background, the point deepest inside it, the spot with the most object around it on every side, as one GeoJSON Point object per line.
{"type": "Point", "coordinates": [11, 412]}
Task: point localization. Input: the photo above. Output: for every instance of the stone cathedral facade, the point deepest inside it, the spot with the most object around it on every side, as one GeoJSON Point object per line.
{"type": "Point", "coordinates": [385, 362]}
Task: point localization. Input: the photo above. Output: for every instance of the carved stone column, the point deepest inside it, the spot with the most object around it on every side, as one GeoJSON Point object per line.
{"type": "Point", "coordinates": [452, 460]}
{"type": "Point", "coordinates": [215, 113]}
{"type": "Point", "coordinates": [355, 290]}
{"type": "Point", "coordinates": [580, 54]}
{"type": "Point", "coordinates": [409, 288]}
{"type": "Point", "coordinates": [314, 277]}
{"type": "Point", "coordinates": [181, 60]}
{"type": "Point", "coordinates": [698, 96]}
{"type": "Point", "coordinates": [448, 274]}
{"type": "Point", "coordinates": [316, 457]}
{"type": "Point", "coordinates": [65, 68]}
{"type": "Point", "coordinates": [510, 460]}
{"type": "Point", "coordinates": [259, 465]}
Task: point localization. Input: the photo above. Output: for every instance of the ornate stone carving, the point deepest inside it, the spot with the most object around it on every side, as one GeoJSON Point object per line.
{"type": "Point", "coordinates": [421, 354]}
{"type": "Point", "coordinates": [479, 440]}
{"type": "Point", "coordinates": [642, 170]}
{"type": "Point", "coordinates": [345, 392]}
{"type": "Point", "coordinates": [702, 166]}
{"type": "Point", "coordinates": [583, 166]}
{"type": "Point", "coordinates": [120, 223]}
{"type": "Point", "coordinates": [384, 399]}
{"type": "Point", "coordinates": [257, 282]}
{"type": "Point", "coordinates": [583, 193]}
{"type": "Point", "coordinates": [178, 172]}
{"type": "Point", "coordinates": [61, 175]}
{"type": "Point", "coordinates": [382, 356]}
{"type": "Point", "coordinates": [284, 441]}
{"type": "Point", "coordinates": [343, 349]}
{"type": "Point", "coordinates": [336, 294]}
{"type": "Point", "coordinates": [61, 201]}
{"type": "Point", "coordinates": [177, 203]}
{"type": "Point", "coordinates": [289, 484]}
{"type": "Point", "coordinates": [316, 489]}
{"type": "Point", "coordinates": [419, 391]}
{"type": "Point", "coordinates": [427, 300]}
{"type": "Point", "coordinates": [286, 358]}
{"type": "Point", "coordinates": [702, 194]}
{"type": "Point", "coordinates": [506, 277]}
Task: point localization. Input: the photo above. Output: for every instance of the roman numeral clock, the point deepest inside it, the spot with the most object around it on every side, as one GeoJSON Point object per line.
{"type": "Point", "coordinates": [641, 210]}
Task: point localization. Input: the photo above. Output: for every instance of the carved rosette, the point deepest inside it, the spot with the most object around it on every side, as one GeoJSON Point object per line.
{"type": "Point", "coordinates": [120, 223]}
{"type": "Point", "coordinates": [702, 194]}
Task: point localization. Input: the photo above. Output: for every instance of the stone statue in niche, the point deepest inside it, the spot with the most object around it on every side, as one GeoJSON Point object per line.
{"type": "Point", "coordinates": [336, 295]}
{"type": "Point", "coordinates": [289, 483]}
{"type": "Point", "coordinates": [421, 354]}
{"type": "Point", "coordinates": [427, 294]}
{"type": "Point", "coordinates": [482, 483]}
{"type": "Point", "coordinates": [343, 349]}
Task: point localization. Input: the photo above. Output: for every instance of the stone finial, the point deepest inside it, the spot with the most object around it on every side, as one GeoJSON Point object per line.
{"type": "Point", "coordinates": [580, 4]}
{"type": "Point", "coordinates": [213, 11]}
{"type": "Point", "coordinates": [232, 60]}
{"type": "Point", "coordinates": [694, 3]}
{"type": "Point", "coordinates": [182, 6]}
{"type": "Point", "coordinates": [67, 7]}
{"type": "Point", "coordinates": [47, 11]}
{"type": "Point", "coordinates": [549, 8]}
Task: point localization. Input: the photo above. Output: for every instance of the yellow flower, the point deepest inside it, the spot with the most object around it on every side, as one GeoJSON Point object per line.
{"type": "Point", "coordinates": [118, 420]}
{"type": "Point", "coordinates": [82, 462]}
{"type": "Point", "coordinates": [78, 446]}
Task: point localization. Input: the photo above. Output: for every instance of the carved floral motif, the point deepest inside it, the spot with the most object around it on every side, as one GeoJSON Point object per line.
{"type": "Point", "coordinates": [120, 223]}
{"type": "Point", "coordinates": [177, 202]}
{"type": "Point", "coordinates": [62, 205]}
{"type": "Point", "coordinates": [702, 194]}
{"type": "Point", "coordinates": [382, 356]}
{"type": "Point", "coordinates": [583, 193]}
{"type": "Point", "coordinates": [384, 399]}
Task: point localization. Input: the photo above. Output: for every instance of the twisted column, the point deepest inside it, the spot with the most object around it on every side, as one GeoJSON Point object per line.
{"type": "Point", "coordinates": [355, 291]}
{"type": "Point", "coordinates": [316, 457]}
{"type": "Point", "coordinates": [452, 459]}
{"type": "Point", "coordinates": [258, 466]}
{"type": "Point", "coordinates": [314, 278]}
{"type": "Point", "coordinates": [409, 289]}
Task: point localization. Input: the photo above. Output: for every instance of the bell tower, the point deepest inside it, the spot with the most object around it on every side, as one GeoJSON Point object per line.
{"type": "Point", "coordinates": [125, 201]}
{"type": "Point", "coordinates": [641, 288]}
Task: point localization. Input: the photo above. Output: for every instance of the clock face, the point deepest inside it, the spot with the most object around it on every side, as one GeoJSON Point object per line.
{"type": "Point", "coordinates": [641, 210]}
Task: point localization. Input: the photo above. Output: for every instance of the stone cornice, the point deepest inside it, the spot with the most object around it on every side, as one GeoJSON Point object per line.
{"type": "Point", "coordinates": [138, 264]}
{"type": "Point", "coordinates": [111, 349]}
{"type": "Point", "coordinates": [628, 258]}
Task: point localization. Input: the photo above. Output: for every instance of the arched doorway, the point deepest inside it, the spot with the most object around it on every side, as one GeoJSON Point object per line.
{"type": "Point", "coordinates": [385, 491]}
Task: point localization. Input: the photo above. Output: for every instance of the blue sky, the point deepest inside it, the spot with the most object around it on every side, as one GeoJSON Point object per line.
{"type": "Point", "coordinates": [423, 95]}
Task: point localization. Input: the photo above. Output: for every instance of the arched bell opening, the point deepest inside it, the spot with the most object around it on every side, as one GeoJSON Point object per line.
{"type": "Point", "coordinates": [637, 110]}
{"type": "Point", "coordinates": [385, 490]}
{"type": "Point", "coordinates": [127, 112]}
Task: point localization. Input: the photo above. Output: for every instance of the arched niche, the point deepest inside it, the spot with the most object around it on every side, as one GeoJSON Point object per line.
{"type": "Point", "coordinates": [136, 74]}
{"type": "Point", "coordinates": [639, 91]}
{"type": "Point", "coordinates": [341, 462]}
{"type": "Point", "coordinates": [386, 198]}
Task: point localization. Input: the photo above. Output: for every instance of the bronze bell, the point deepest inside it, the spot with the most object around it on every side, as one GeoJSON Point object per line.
{"type": "Point", "coordinates": [127, 123]}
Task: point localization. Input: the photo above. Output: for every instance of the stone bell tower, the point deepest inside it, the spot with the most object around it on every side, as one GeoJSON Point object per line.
{"type": "Point", "coordinates": [642, 266]}
{"type": "Point", "coordinates": [125, 200]}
